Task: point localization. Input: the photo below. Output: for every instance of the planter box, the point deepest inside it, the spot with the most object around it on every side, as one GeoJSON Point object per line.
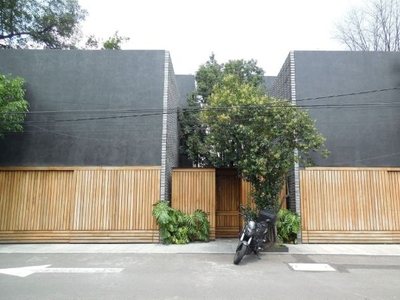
{"type": "Point", "coordinates": [275, 248]}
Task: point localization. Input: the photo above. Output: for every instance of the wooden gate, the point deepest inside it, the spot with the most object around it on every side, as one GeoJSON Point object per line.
{"type": "Point", "coordinates": [227, 204]}
{"type": "Point", "coordinates": [194, 188]}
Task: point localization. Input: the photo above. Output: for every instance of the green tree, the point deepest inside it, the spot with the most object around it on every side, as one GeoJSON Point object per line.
{"type": "Point", "coordinates": [212, 73]}
{"type": "Point", "coordinates": [257, 135]}
{"type": "Point", "coordinates": [112, 43]}
{"type": "Point", "coordinates": [13, 105]}
{"type": "Point", "coordinates": [51, 24]}
{"type": "Point", "coordinates": [207, 77]}
{"type": "Point", "coordinates": [192, 130]}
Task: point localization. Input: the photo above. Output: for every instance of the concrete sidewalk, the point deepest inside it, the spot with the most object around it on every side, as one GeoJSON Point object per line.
{"type": "Point", "coordinates": [218, 246]}
{"type": "Point", "coordinates": [346, 249]}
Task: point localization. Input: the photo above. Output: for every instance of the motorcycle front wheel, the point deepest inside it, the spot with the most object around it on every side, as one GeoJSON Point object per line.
{"type": "Point", "coordinates": [240, 252]}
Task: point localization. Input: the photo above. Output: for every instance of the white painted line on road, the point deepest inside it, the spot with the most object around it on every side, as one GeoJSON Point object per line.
{"type": "Point", "coordinates": [311, 267]}
{"type": "Point", "coordinates": [23, 271]}
{"type": "Point", "coordinates": [26, 271]}
{"type": "Point", "coordinates": [81, 270]}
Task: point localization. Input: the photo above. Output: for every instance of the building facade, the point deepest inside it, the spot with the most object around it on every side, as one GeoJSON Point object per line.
{"type": "Point", "coordinates": [95, 108]}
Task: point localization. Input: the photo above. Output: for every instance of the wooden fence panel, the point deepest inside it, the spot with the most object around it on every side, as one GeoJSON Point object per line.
{"type": "Point", "coordinates": [35, 200]}
{"type": "Point", "coordinates": [347, 205]}
{"type": "Point", "coordinates": [195, 189]}
{"type": "Point", "coordinates": [121, 199]}
{"type": "Point", "coordinates": [78, 204]}
{"type": "Point", "coordinates": [394, 189]}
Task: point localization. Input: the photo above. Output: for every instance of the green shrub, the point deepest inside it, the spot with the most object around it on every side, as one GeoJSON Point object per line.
{"type": "Point", "coordinates": [288, 226]}
{"type": "Point", "coordinates": [177, 227]}
{"type": "Point", "coordinates": [247, 210]}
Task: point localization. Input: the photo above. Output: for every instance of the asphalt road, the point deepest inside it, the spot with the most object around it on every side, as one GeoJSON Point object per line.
{"type": "Point", "coordinates": [196, 276]}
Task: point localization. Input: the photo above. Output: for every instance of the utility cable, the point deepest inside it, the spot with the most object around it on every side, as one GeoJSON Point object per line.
{"type": "Point", "coordinates": [174, 110]}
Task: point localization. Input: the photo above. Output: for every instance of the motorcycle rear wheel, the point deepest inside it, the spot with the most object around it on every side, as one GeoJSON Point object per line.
{"type": "Point", "coordinates": [240, 252]}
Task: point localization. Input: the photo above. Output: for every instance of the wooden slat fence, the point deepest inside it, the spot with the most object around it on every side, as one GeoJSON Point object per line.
{"type": "Point", "coordinates": [195, 189]}
{"type": "Point", "coordinates": [97, 204]}
{"type": "Point", "coordinates": [350, 205]}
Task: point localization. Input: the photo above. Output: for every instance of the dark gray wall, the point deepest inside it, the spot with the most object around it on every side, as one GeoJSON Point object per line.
{"type": "Point", "coordinates": [170, 137]}
{"type": "Point", "coordinates": [341, 91]}
{"type": "Point", "coordinates": [269, 82]}
{"type": "Point", "coordinates": [87, 107]}
{"type": "Point", "coordinates": [282, 89]}
{"type": "Point", "coordinates": [186, 85]}
{"type": "Point", "coordinates": [282, 84]}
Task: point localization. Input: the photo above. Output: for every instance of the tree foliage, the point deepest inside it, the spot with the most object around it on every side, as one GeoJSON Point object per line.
{"type": "Point", "coordinates": [177, 227]}
{"type": "Point", "coordinates": [257, 135]}
{"type": "Point", "coordinates": [112, 43]}
{"type": "Point", "coordinates": [207, 77]}
{"type": "Point", "coordinates": [372, 27]}
{"type": "Point", "coordinates": [288, 226]}
{"type": "Point", "coordinates": [13, 105]}
{"type": "Point", "coordinates": [51, 24]}
{"type": "Point", "coordinates": [192, 130]}
{"type": "Point", "coordinates": [212, 73]}
{"type": "Point", "coordinates": [231, 122]}
{"type": "Point", "coordinates": [192, 133]}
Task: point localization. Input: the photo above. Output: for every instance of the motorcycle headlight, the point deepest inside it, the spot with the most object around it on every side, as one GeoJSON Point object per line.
{"type": "Point", "coordinates": [252, 225]}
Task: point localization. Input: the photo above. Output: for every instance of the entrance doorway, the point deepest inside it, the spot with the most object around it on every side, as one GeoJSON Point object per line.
{"type": "Point", "coordinates": [227, 203]}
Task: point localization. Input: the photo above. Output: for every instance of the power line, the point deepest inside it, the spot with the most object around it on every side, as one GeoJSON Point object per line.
{"type": "Point", "coordinates": [96, 118]}
{"type": "Point", "coordinates": [148, 112]}
{"type": "Point", "coordinates": [349, 94]}
{"type": "Point", "coordinates": [366, 159]}
{"type": "Point", "coordinates": [94, 139]}
{"type": "Point", "coordinates": [175, 110]}
{"type": "Point", "coordinates": [217, 109]}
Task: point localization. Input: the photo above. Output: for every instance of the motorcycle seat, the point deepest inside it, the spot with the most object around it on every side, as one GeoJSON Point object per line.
{"type": "Point", "coordinates": [267, 216]}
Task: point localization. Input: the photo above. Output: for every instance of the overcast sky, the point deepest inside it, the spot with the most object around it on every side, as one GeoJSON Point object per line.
{"type": "Point", "coordinates": [264, 30]}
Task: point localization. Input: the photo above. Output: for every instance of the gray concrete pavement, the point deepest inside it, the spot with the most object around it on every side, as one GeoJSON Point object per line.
{"type": "Point", "coordinates": [346, 249]}
{"type": "Point", "coordinates": [199, 271]}
{"type": "Point", "coordinates": [49, 276]}
{"type": "Point", "coordinates": [223, 246]}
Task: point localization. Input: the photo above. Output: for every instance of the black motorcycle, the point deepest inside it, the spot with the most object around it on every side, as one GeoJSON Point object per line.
{"type": "Point", "coordinates": [253, 234]}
